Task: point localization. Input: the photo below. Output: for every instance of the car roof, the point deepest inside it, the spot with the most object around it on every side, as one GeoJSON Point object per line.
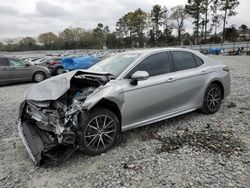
{"type": "Point", "coordinates": [145, 52]}
{"type": "Point", "coordinates": [153, 50]}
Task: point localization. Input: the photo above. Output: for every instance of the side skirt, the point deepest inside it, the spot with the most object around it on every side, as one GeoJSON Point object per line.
{"type": "Point", "coordinates": [159, 118]}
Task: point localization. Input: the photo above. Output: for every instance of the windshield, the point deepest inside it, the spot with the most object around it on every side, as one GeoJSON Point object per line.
{"type": "Point", "coordinates": [115, 64]}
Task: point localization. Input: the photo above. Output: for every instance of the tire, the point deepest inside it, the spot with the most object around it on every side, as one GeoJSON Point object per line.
{"type": "Point", "coordinates": [212, 99]}
{"type": "Point", "coordinates": [39, 76]}
{"type": "Point", "coordinates": [59, 70]}
{"type": "Point", "coordinates": [98, 138]}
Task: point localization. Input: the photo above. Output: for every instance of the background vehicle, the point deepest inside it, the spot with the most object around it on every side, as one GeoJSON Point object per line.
{"type": "Point", "coordinates": [121, 92]}
{"type": "Point", "coordinates": [74, 63]}
{"type": "Point", "coordinates": [53, 64]}
{"type": "Point", "coordinates": [14, 70]}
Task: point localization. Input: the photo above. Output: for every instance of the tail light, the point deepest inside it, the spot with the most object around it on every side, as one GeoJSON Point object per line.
{"type": "Point", "coordinates": [53, 62]}
{"type": "Point", "coordinates": [226, 69]}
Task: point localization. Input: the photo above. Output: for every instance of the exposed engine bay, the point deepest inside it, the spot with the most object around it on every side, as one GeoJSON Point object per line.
{"type": "Point", "coordinates": [50, 129]}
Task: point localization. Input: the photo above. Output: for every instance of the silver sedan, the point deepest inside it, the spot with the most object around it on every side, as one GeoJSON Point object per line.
{"type": "Point", "coordinates": [88, 109]}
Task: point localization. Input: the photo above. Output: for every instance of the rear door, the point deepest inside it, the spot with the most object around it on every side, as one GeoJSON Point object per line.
{"type": "Point", "coordinates": [19, 70]}
{"type": "Point", "coordinates": [4, 70]}
{"type": "Point", "coordinates": [189, 79]}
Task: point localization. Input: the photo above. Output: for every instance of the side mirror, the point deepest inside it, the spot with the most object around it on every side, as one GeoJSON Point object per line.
{"type": "Point", "coordinates": [139, 76]}
{"type": "Point", "coordinates": [27, 65]}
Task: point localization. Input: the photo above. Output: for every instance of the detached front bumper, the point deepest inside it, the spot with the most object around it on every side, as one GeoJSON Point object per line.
{"type": "Point", "coordinates": [23, 131]}
{"type": "Point", "coordinates": [42, 148]}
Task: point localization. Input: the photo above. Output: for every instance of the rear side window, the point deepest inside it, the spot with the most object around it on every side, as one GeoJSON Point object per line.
{"type": "Point", "coordinates": [183, 60]}
{"type": "Point", "coordinates": [198, 60]}
{"type": "Point", "coordinates": [4, 62]}
{"type": "Point", "coordinates": [155, 64]}
{"type": "Point", "coordinates": [16, 62]}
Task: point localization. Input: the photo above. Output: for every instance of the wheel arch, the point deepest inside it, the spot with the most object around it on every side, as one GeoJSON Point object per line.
{"type": "Point", "coordinates": [219, 83]}
{"type": "Point", "coordinates": [110, 105]}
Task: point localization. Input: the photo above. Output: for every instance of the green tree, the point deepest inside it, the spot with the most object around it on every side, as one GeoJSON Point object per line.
{"type": "Point", "coordinates": [112, 41]}
{"type": "Point", "coordinates": [1, 46]}
{"type": "Point", "coordinates": [215, 17]}
{"type": "Point", "coordinates": [157, 19]}
{"type": "Point", "coordinates": [214, 39]}
{"type": "Point", "coordinates": [228, 7]}
{"type": "Point", "coordinates": [122, 27]}
{"type": "Point", "coordinates": [231, 34]}
{"type": "Point", "coordinates": [194, 9]}
{"type": "Point", "coordinates": [151, 40]}
{"type": "Point", "coordinates": [243, 28]}
{"type": "Point", "coordinates": [100, 35]}
{"type": "Point", "coordinates": [186, 39]}
{"type": "Point", "coordinates": [206, 6]}
{"type": "Point", "coordinates": [68, 38]}
{"type": "Point", "coordinates": [138, 24]}
{"type": "Point", "coordinates": [27, 43]}
{"type": "Point", "coordinates": [131, 28]}
{"type": "Point", "coordinates": [47, 39]}
{"type": "Point", "coordinates": [11, 45]}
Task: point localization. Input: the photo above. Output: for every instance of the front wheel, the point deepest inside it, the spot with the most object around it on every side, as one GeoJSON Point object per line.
{"type": "Point", "coordinates": [100, 132]}
{"type": "Point", "coordinates": [212, 99]}
{"type": "Point", "coordinates": [39, 76]}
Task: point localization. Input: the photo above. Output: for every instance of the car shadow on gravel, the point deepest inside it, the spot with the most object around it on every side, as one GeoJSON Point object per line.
{"type": "Point", "coordinates": [211, 140]}
{"type": "Point", "coordinates": [150, 129]}
{"type": "Point", "coordinates": [206, 138]}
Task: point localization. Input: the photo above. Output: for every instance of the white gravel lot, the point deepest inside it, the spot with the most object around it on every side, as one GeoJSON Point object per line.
{"type": "Point", "coordinates": [192, 150]}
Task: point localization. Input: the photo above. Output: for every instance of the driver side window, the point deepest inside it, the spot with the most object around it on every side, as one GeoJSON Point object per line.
{"type": "Point", "coordinates": [155, 64]}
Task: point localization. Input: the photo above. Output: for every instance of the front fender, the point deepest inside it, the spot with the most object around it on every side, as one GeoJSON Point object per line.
{"type": "Point", "coordinates": [112, 92]}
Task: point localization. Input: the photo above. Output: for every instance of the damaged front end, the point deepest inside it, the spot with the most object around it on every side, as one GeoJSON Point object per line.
{"type": "Point", "coordinates": [53, 115]}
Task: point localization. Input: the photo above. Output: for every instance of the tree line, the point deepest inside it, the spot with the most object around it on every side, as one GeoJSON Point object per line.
{"type": "Point", "coordinates": [140, 29]}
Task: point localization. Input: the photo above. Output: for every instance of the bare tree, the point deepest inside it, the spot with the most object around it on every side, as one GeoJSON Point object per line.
{"type": "Point", "coordinates": [179, 15]}
{"type": "Point", "coordinates": [228, 7]}
{"type": "Point", "coordinates": [206, 9]}
{"type": "Point", "coordinates": [215, 16]}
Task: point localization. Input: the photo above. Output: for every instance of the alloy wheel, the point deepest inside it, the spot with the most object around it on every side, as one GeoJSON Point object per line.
{"type": "Point", "coordinates": [100, 133]}
{"type": "Point", "coordinates": [214, 98]}
{"type": "Point", "coordinates": [39, 77]}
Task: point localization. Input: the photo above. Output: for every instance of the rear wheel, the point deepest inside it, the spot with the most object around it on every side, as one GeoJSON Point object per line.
{"type": "Point", "coordinates": [101, 131]}
{"type": "Point", "coordinates": [39, 76]}
{"type": "Point", "coordinates": [212, 99]}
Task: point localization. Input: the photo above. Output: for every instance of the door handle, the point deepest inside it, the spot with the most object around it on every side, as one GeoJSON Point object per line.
{"type": "Point", "coordinates": [203, 72]}
{"type": "Point", "coordinates": [170, 79]}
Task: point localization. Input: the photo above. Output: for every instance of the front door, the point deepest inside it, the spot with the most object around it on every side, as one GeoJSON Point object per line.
{"type": "Point", "coordinates": [4, 70]}
{"type": "Point", "coordinates": [151, 98]}
{"type": "Point", "coordinates": [19, 71]}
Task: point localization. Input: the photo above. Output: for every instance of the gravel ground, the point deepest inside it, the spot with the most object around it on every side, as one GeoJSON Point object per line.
{"type": "Point", "coordinates": [192, 150]}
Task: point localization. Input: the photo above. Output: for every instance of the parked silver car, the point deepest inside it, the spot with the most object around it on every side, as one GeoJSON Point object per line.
{"type": "Point", "coordinates": [13, 70]}
{"type": "Point", "coordinates": [89, 109]}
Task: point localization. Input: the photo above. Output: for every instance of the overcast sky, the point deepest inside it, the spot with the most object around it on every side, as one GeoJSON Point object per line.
{"type": "Point", "coordinates": [20, 18]}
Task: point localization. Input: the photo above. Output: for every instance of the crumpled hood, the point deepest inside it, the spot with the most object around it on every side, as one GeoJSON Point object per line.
{"type": "Point", "coordinates": [55, 87]}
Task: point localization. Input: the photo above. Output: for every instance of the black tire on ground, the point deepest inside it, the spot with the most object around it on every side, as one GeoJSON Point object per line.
{"type": "Point", "coordinates": [212, 99]}
{"type": "Point", "coordinates": [59, 70]}
{"type": "Point", "coordinates": [39, 76]}
{"type": "Point", "coordinates": [101, 131]}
